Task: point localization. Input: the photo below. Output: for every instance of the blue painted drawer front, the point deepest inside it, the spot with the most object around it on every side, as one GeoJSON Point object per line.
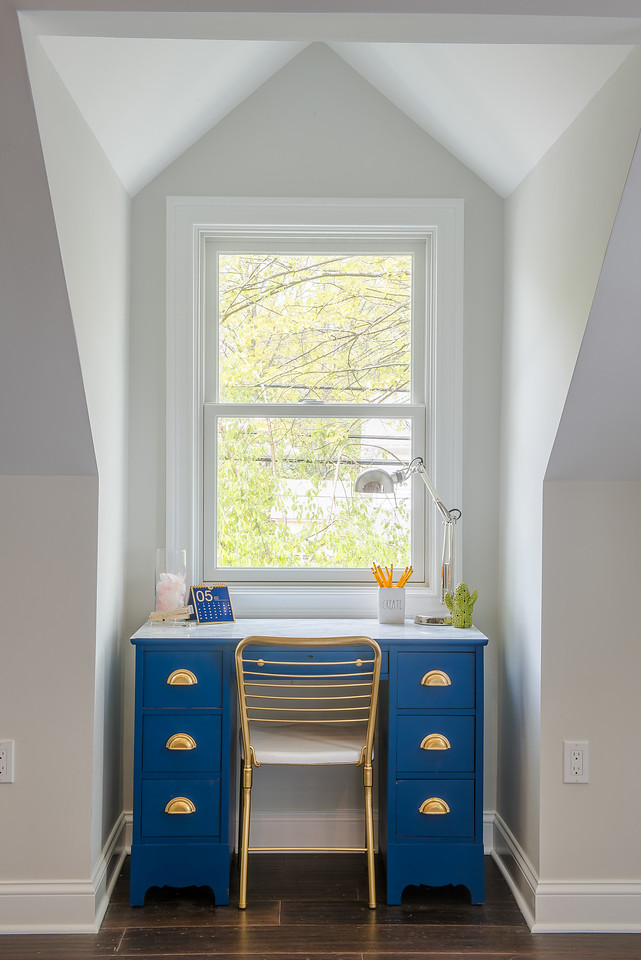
{"type": "Point", "coordinates": [204, 729]}
{"type": "Point", "coordinates": [206, 667]}
{"type": "Point", "coordinates": [459, 667]}
{"type": "Point", "coordinates": [459, 796]}
{"type": "Point", "coordinates": [411, 731]}
{"type": "Point", "coordinates": [204, 822]}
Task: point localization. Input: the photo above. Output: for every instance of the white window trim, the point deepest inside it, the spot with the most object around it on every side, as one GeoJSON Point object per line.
{"type": "Point", "coordinates": [188, 219]}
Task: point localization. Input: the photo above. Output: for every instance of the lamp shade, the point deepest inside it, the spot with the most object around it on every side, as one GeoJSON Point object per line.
{"type": "Point", "coordinates": [374, 480]}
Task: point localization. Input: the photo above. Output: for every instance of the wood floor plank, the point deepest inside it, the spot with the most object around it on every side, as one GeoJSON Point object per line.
{"type": "Point", "coordinates": [182, 913]}
{"type": "Point", "coordinates": [304, 877]}
{"type": "Point", "coordinates": [316, 939]}
{"type": "Point", "coordinates": [544, 946]}
{"type": "Point", "coordinates": [424, 911]}
{"type": "Point", "coordinates": [76, 946]}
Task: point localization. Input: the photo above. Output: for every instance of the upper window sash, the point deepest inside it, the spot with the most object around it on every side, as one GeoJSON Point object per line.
{"type": "Point", "coordinates": [283, 242]}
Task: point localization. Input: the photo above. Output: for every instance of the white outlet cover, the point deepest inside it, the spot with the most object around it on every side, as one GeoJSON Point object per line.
{"type": "Point", "coordinates": [6, 768]}
{"type": "Point", "coordinates": [570, 748]}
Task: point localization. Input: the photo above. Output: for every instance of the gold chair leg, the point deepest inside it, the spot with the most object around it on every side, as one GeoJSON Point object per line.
{"type": "Point", "coordinates": [244, 842]}
{"type": "Point", "coordinates": [369, 836]}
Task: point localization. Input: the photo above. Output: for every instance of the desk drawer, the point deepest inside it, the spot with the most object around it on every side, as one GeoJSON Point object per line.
{"type": "Point", "coordinates": [451, 806]}
{"type": "Point", "coordinates": [318, 656]}
{"type": "Point", "coordinates": [433, 744]}
{"type": "Point", "coordinates": [181, 743]}
{"type": "Point", "coordinates": [182, 680]}
{"type": "Point", "coordinates": [201, 795]}
{"type": "Point", "coordinates": [438, 681]}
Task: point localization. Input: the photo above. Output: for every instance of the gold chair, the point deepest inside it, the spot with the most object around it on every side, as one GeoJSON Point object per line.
{"type": "Point", "coordinates": [304, 707]}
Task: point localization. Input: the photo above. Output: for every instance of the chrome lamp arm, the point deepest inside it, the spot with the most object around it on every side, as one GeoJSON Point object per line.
{"type": "Point", "coordinates": [380, 481]}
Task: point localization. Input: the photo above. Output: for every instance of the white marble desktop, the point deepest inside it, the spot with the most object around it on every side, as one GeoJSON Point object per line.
{"type": "Point", "coordinates": [318, 627]}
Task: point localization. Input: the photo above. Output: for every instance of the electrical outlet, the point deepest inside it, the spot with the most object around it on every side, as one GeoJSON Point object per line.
{"type": "Point", "coordinates": [576, 761]}
{"type": "Point", "coordinates": [6, 761]}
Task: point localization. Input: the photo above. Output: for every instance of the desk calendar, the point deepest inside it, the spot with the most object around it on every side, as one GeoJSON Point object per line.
{"type": "Point", "coordinates": [211, 603]}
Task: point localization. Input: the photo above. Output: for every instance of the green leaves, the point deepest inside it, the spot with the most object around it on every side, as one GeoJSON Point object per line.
{"type": "Point", "coordinates": [285, 495]}
{"type": "Point", "coordinates": [294, 328]}
{"type": "Point", "coordinates": [331, 328]}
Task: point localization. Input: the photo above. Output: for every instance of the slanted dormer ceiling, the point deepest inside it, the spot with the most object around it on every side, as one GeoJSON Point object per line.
{"type": "Point", "coordinates": [497, 107]}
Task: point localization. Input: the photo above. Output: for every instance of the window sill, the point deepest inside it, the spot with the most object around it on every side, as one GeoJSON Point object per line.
{"type": "Point", "coordinates": [296, 600]}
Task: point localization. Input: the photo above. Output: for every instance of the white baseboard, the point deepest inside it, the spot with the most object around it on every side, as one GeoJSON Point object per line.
{"type": "Point", "coordinates": [343, 828]}
{"type": "Point", "coordinates": [318, 829]}
{"type": "Point", "coordinates": [108, 867]}
{"type": "Point", "coordinates": [581, 907]}
{"type": "Point", "coordinates": [488, 832]}
{"type": "Point", "coordinates": [568, 906]}
{"type": "Point", "coordinates": [63, 906]}
{"type": "Point", "coordinates": [516, 869]}
{"type": "Point", "coordinates": [129, 827]}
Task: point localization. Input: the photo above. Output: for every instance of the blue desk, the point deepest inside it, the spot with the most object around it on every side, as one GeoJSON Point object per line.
{"type": "Point", "coordinates": [186, 763]}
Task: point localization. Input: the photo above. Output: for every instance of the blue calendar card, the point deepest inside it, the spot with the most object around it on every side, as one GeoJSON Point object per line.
{"type": "Point", "coordinates": [211, 603]}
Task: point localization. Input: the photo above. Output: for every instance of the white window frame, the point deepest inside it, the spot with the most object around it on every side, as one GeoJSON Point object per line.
{"type": "Point", "coordinates": [189, 221]}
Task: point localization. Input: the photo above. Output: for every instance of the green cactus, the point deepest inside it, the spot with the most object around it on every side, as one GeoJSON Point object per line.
{"type": "Point", "coordinates": [461, 605]}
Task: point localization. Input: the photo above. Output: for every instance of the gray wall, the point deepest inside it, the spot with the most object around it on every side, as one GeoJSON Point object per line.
{"type": "Point", "coordinates": [92, 213]}
{"type": "Point", "coordinates": [63, 397]}
{"type": "Point", "coordinates": [558, 225]}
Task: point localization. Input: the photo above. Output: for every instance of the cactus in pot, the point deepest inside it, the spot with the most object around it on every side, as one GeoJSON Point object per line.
{"type": "Point", "coordinates": [461, 605]}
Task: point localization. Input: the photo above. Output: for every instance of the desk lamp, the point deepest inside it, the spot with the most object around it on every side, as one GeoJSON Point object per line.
{"type": "Point", "coordinates": [377, 480]}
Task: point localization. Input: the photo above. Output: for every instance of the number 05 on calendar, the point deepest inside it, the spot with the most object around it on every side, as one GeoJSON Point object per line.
{"type": "Point", "coordinates": [211, 603]}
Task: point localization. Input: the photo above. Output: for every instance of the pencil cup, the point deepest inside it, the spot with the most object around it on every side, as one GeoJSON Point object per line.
{"type": "Point", "coordinates": [391, 604]}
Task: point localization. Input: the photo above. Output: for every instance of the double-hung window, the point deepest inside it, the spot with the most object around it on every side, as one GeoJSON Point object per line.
{"type": "Point", "coordinates": [308, 342]}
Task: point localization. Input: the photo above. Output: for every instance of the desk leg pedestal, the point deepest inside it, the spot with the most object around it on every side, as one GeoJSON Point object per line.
{"type": "Point", "coordinates": [433, 807]}
{"type": "Point", "coordinates": [179, 865]}
{"type": "Point", "coordinates": [435, 865]}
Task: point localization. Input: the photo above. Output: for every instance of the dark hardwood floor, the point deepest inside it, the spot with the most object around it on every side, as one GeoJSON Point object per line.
{"type": "Point", "coordinates": [314, 907]}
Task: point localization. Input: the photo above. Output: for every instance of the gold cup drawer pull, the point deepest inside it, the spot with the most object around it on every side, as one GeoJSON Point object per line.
{"type": "Point", "coordinates": [434, 805]}
{"type": "Point", "coordinates": [435, 741]}
{"type": "Point", "coordinates": [436, 678]}
{"type": "Point", "coordinates": [181, 741]}
{"type": "Point", "coordinates": [180, 805]}
{"type": "Point", "coordinates": [182, 678]}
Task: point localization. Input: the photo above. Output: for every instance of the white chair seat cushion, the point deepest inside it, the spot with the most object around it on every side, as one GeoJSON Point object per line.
{"type": "Point", "coordinates": [307, 743]}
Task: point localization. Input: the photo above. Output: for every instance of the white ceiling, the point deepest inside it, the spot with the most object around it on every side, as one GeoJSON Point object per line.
{"type": "Point", "coordinates": [497, 107]}
{"type": "Point", "coordinates": [162, 94]}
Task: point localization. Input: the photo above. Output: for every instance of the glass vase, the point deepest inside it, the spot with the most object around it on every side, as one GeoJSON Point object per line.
{"type": "Point", "coordinates": [171, 578]}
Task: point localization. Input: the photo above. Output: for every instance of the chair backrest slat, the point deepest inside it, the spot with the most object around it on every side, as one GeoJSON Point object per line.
{"type": "Point", "coordinates": [327, 680]}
